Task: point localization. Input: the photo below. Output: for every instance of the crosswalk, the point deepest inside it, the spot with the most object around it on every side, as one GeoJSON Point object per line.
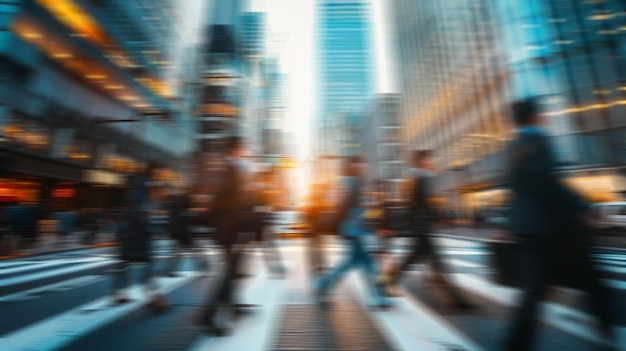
{"type": "Point", "coordinates": [286, 317]}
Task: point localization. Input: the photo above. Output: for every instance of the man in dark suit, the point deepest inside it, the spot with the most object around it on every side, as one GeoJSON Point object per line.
{"type": "Point", "coordinates": [135, 244]}
{"type": "Point", "coordinates": [547, 222]}
{"type": "Point", "coordinates": [229, 208]}
{"type": "Point", "coordinates": [421, 214]}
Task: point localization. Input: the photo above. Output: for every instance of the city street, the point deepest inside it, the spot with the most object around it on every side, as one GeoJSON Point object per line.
{"type": "Point", "coordinates": [59, 302]}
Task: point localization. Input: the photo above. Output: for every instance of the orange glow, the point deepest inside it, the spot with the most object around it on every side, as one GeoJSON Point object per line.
{"type": "Point", "coordinates": [586, 108]}
{"type": "Point", "coordinates": [63, 193]}
{"type": "Point", "coordinates": [68, 12]}
{"type": "Point", "coordinates": [57, 48]}
{"type": "Point", "coordinates": [32, 35]}
{"type": "Point", "coordinates": [74, 16]}
{"type": "Point", "coordinates": [62, 55]}
{"type": "Point", "coordinates": [96, 76]}
{"type": "Point", "coordinates": [224, 110]}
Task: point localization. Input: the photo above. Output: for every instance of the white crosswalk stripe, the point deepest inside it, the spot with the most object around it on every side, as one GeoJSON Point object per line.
{"type": "Point", "coordinates": [57, 331]}
{"type": "Point", "coordinates": [409, 325]}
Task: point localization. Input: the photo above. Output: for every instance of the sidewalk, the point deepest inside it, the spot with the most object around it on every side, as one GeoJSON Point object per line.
{"type": "Point", "coordinates": [51, 247]}
{"type": "Point", "coordinates": [485, 233]}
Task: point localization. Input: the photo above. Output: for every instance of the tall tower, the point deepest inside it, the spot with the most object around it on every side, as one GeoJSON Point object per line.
{"type": "Point", "coordinates": [346, 78]}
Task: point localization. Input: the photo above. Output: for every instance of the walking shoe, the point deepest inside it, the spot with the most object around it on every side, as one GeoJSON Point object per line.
{"type": "Point", "coordinates": [158, 303]}
{"type": "Point", "coordinates": [120, 300]}
{"type": "Point", "coordinates": [213, 329]}
{"type": "Point", "coordinates": [120, 297]}
{"type": "Point", "coordinates": [384, 306]}
{"type": "Point", "coordinates": [465, 305]}
{"type": "Point", "coordinates": [240, 312]}
{"type": "Point", "coordinates": [386, 285]}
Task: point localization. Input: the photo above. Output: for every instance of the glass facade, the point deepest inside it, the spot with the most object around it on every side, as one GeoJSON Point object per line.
{"type": "Point", "coordinates": [463, 61]}
{"type": "Point", "coordinates": [345, 59]}
{"type": "Point", "coordinates": [453, 80]}
{"type": "Point", "coordinates": [573, 54]}
{"type": "Point", "coordinates": [253, 30]}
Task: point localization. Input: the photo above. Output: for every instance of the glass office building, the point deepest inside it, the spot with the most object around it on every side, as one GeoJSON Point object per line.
{"type": "Point", "coordinates": [69, 70]}
{"type": "Point", "coordinates": [463, 61]}
{"type": "Point", "coordinates": [345, 75]}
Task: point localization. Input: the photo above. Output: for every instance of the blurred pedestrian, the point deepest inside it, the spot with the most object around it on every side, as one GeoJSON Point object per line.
{"type": "Point", "coordinates": [66, 224]}
{"type": "Point", "coordinates": [354, 231]}
{"type": "Point", "coordinates": [421, 214]}
{"type": "Point", "coordinates": [88, 224]}
{"type": "Point", "coordinates": [231, 213]}
{"type": "Point", "coordinates": [21, 222]}
{"type": "Point", "coordinates": [179, 215]}
{"type": "Point", "coordinates": [265, 236]}
{"type": "Point", "coordinates": [380, 218]}
{"type": "Point", "coordinates": [547, 221]}
{"type": "Point", "coordinates": [135, 245]}
{"type": "Point", "coordinates": [315, 218]}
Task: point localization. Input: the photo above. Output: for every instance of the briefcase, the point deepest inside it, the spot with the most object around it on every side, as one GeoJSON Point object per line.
{"type": "Point", "coordinates": [504, 270]}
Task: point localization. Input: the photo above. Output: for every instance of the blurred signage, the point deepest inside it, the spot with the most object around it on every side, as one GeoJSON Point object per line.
{"type": "Point", "coordinates": [63, 193]}
{"type": "Point", "coordinates": [224, 110]}
{"type": "Point", "coordinates": [103, 177]}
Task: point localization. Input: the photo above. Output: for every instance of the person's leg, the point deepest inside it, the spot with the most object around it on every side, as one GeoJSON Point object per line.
{"type": "Point", "coordinates": [151, 287]}
{"type": "Point", "coordinates": [202, 261]}
{"type": "Point", "coordinates": [351, 258]}
{"type": "Point", "coordinates": [148, 279]}
{"type": "Point", "coordinates": [534, 264]}
{"type": "Point", "coordinates": [271, 252]}
{"type": "Point", "coordinates": [173, 261]}
{"type": "Point", "coordinates": [223, 293]}
{"type": "Point", "coordinates": [600, 298]}
{"type": "Point", "coordinates": [440, 274]}
{"type": "Point", "coordinates": [315, 254]}
{"type": "Point", "coordinates": [395, 272]}
{"type": "Point", "coordinates": [120, 282]}
{"type": "Point", "coordinates": [368, 264]}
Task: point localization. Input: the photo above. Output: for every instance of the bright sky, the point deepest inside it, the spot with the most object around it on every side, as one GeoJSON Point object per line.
{"type": "Point", "coordinates": [291, 38]}
{"type": "Point", "coordinates": [382, 38]}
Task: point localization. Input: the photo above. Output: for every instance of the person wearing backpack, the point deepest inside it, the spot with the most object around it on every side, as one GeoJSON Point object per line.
{"type": "Point", "coordinates": [351, 226]}
{"type": "Point", "coordinates": [421, 215]}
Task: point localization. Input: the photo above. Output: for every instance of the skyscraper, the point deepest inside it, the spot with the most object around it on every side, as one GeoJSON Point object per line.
{"type": "Point", "coordinates": [345, 75]}
{"type": "Point", "coordinates": [71, 70]}
{"type": "Point", "coordinates": [219, 115]}
{"type": "Point", "coordinates": [464, 61]}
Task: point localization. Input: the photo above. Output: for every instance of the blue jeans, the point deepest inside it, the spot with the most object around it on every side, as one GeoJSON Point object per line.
{"type": "Point", "coordinates": [357, 257]}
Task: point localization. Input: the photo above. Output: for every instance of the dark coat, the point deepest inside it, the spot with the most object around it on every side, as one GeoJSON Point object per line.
{"type": "Point", "coordinates": [229, 208]}
{"type": "Point", "coordinates": [180, 219]}
{"type": "Point", "coordinates": [541, 203]}
{"type": "Point", "coordinates": [135, 232]}
{"type": "Point", "coordinates": [420, 212]}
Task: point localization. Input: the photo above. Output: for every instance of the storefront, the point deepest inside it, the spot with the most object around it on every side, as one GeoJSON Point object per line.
{"type": "Point", "coordinates": [56, 183]}
{"type": "Point", "coordinates": [592, 185]}
{"type": "Point", "coordinates": [597, 186]}
{"type": "Point", "coordinates": [103, 189]}
{"type": "Point", "coordinates": [19, 189]}
{"type": "Point", "coordinates": [492, 197]}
